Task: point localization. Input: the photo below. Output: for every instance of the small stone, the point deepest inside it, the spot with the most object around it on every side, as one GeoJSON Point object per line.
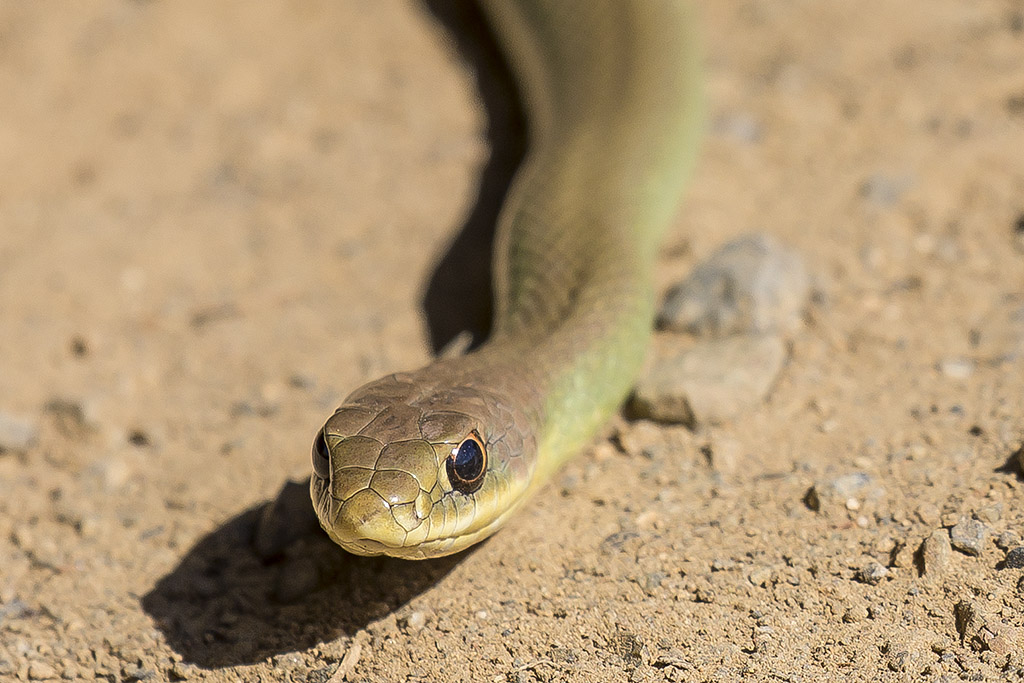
{"type": "Point", "coordinates": [18, 433]}
{"type": "Point", "coordinates": [957, 368]}
{"type": "Point", "coordinates": [182, 671]}
{"type": "Point", "coordinates": [969, 536]}
{"type": "Point", "coordinates": [872, 573]}
{"type": "Point", "coordinates": [70, 417]}
{"type": "Point", "coordinates": [991, 513]}
{"type": "Point", "coordinates": [136, 672]}
{"type": "Point", "coordinates": [848, 491]}
{"type": "Point", "coordinates": [1008, 539]}
{"type": "Point", "coordinates": [1014, 558]}
{"type": "Point", "coordinates": [855, 614]}
{"type": "Point", "coordinates": [1001, 639]}
{"type": "Point", "coordinates": [724, 455]}
{"type": "Point", "coordinates": [884, 189]}
{"type": "Point", "coordinates": [41, 671]}
{"type": "Point", "coordinates": [712, 382]}
{"type": "Point", "coordinates": [70, 670]}
{"type": "Point", "coordinates": [934, 553]}
{"type": "Point", "coordinates": [751, 285]}
{"type": "Point", "coordinates": [415, 622]}
{"type": "Point", "coordinates": [929, 513]}
{"type": "Point", "coordinates": [761, 576]}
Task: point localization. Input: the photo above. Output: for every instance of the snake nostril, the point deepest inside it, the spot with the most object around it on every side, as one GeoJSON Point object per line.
{"type": "Point", "coordinates": [321, 457]}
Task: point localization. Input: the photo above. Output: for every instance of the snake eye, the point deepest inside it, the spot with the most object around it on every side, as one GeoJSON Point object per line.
{"type": "Point", "coordinates": [466, 465]}
{"type": "Point", "coordinates": [321, 457]}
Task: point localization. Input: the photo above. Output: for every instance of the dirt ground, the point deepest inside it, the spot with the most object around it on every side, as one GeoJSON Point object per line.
{"type": "Point", "coordinates": [218, 218]}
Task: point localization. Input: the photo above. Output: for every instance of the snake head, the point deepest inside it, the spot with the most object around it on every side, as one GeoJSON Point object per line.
{"type": "Point", "coordinates": [410, 469]}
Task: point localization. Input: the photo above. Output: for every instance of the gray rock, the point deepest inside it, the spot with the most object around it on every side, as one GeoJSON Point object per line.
{"type": "Point", "coordinates": [969, 536]}
{"type": "Point", "coordinates": [751, 285]}
{"type": "Point", "coordinates": [711, 382]}
{"type": "Point", "coordinates": [935, 552]}
{"type": "Point", "coordinates": [17, 432]}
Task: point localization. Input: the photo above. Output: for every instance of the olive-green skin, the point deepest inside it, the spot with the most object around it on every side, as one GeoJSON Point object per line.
{"type": "Point", "coordinates": [613, 100]}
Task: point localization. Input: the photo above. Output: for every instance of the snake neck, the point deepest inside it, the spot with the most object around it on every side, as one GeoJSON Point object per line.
{"type": "Point", "coordinates": [613, 104]}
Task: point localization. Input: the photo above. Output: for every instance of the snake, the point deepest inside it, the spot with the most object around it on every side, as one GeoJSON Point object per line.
{"type": "Point", "coordinates": [427, 463]}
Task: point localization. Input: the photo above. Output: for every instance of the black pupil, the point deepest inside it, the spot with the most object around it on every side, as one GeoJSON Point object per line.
{"type": "Point", "coordinates": [321, 457]}
{"type": "Point", "coordinates": [467, 464]}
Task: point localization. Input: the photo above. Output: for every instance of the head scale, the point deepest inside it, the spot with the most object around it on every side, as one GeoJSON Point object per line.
{"type": "Point", "coordinates": [411, 469]}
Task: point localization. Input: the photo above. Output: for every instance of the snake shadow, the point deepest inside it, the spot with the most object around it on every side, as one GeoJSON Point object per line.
{"type": "Point", "coordinates": [458, 298]}
{"type": "Point", "coordinates": [269, 581]}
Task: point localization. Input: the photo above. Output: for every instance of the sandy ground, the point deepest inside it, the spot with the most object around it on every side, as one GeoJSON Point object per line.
{"type": "Point", "coordinates": [218, 218]}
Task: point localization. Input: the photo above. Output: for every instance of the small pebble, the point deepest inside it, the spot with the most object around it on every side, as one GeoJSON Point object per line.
{"type": "Point", "coordinates": [69, 417]}
{"type": "Point", "coordinates": [1014, 558]}
{"type": "Point", "coordinates": [724, 455]}
{"type": "Point", "coordinates": [41, 671]}
{"type": "Point", "coordinates": [848, 490]}
{"type": "Point", "coordinates": [929, 514]}
{"type": "Point", "coordinates": [935, 553]}
{"type": "Point", "coordinates": [760, 576]}
{"type": "Point", "coordinates": [969, 536]}
{"type": "Point", "coordinates": [854, 614]}
{"type": "Point", "coordinates": [415, 622]}
{"type": "Point", "coordinates": [1000, 639]}
{"type": "Point", "coordinates": [956, 368]}
{"type": "Point", "coordinates": [884, 189]}
{"type": "Point", "coordinates": [991, 513]}
{"type": "Point", "coordinates": [1008, 539]}
{"type": "Point", "coordinates": [17, 432]}
{"type": "Point", "coordinates": [872, 573]}
{"type": "Point", "coordinates": [712, 382]}
{"type": "Point", "coordinates": [751, 285]}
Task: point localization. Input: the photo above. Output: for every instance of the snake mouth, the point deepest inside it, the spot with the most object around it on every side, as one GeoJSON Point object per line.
{"type": "Point", "coordinates": [373, 519]}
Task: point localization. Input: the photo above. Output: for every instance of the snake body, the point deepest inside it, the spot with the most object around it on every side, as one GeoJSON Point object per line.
{"type": "Point", "coordinates": [426, 463]}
